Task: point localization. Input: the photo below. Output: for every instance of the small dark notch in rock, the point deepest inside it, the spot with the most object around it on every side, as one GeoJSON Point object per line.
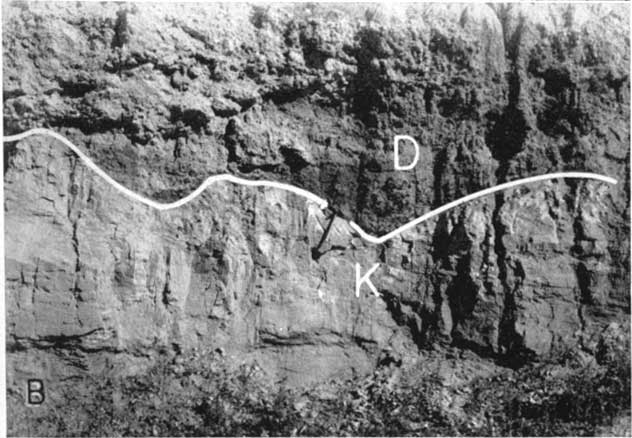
{"type": "Point", "coordinates": [9, 150]}
{"type": "Point", "coordinates": [122, 32]}
{"type": "Point", "coordinates": [194, 118]}
{"type": "Point", "coordinates": [11, 94]}
{"type": "Point", "coordinates": [259, 16]}
{"type": "Point", "coordinates": [78, 87]}
{"type": "Point", "coordinates": [293, 158]}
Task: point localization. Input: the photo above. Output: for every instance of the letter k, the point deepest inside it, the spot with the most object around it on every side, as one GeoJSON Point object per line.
{"type": "Point", "coordinates": [365, 279]}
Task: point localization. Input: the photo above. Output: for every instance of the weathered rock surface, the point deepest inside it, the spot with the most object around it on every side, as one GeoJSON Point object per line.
{"type": "Point", "coordinates": [162, 96]}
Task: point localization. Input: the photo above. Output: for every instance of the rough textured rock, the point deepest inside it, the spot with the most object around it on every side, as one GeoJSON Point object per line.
{"type": "Point", "coordinates": [162, 96]}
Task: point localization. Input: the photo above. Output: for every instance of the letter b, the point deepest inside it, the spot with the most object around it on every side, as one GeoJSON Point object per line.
{"type": "Point", "coordinates": [396, 141]}
{"type": "Point", "coordinates": [35, 392]}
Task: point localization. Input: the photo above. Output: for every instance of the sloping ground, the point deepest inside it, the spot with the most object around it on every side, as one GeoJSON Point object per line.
{"type": "Point", "coordinates": [163, 96]}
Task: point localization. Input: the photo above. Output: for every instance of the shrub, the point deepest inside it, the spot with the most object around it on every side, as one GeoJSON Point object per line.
{"type": "Point", "coordinates": [206, 395]}
{"type": "Point", "coordinates": [546, 400]}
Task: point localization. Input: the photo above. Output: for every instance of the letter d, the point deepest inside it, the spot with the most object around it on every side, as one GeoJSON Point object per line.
{"type": "Point", "coordinates": [396, 141]}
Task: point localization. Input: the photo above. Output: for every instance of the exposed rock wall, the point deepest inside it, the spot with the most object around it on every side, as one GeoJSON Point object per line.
{"type": "Point", "coordinates": [162, 96]}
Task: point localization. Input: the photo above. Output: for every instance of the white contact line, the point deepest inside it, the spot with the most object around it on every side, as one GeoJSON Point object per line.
{"type": "Point", "coordinates": [468, 198]}
{"type": "Point", "coordinates": [171, 205]}
{"type": "Point", "coordinates": [306, 194]}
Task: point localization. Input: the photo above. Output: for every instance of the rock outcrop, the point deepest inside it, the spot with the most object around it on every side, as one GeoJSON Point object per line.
{"type": "Point", "coordinates": [162, 96]}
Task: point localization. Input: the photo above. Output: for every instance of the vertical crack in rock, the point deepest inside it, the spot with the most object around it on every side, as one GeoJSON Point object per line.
{"type": "Point", "coordinates": [317, 253]}
{"type": "Point", "coordinates": [166, 290]}
{"type": "Point", "coordinates": [506, 139]}
{"type": "Point", "coordinates": [507, 333]}
{"type": "Point", "coordinates": [74, 215]}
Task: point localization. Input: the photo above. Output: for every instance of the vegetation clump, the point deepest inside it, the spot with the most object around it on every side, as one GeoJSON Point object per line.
{"type": "Point", "coordinates": [207, 396]}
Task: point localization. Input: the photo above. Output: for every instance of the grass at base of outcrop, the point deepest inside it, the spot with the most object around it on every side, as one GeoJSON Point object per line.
{"type": "Point", "coordinates": [555, 400]}
{"type": "Point", "coordinates": [205, 396]}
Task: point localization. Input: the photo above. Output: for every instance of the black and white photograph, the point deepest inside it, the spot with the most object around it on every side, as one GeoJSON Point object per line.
{"type": "Point", "coordinates": [315, 219]}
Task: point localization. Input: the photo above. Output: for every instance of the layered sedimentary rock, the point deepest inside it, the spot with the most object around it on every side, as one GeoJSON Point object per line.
{"type": "Point", "coordinates": [163, 96]}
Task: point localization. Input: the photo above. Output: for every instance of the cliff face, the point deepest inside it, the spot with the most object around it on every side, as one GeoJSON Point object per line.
{"type": "Point", "coordinates": [162, 96]}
